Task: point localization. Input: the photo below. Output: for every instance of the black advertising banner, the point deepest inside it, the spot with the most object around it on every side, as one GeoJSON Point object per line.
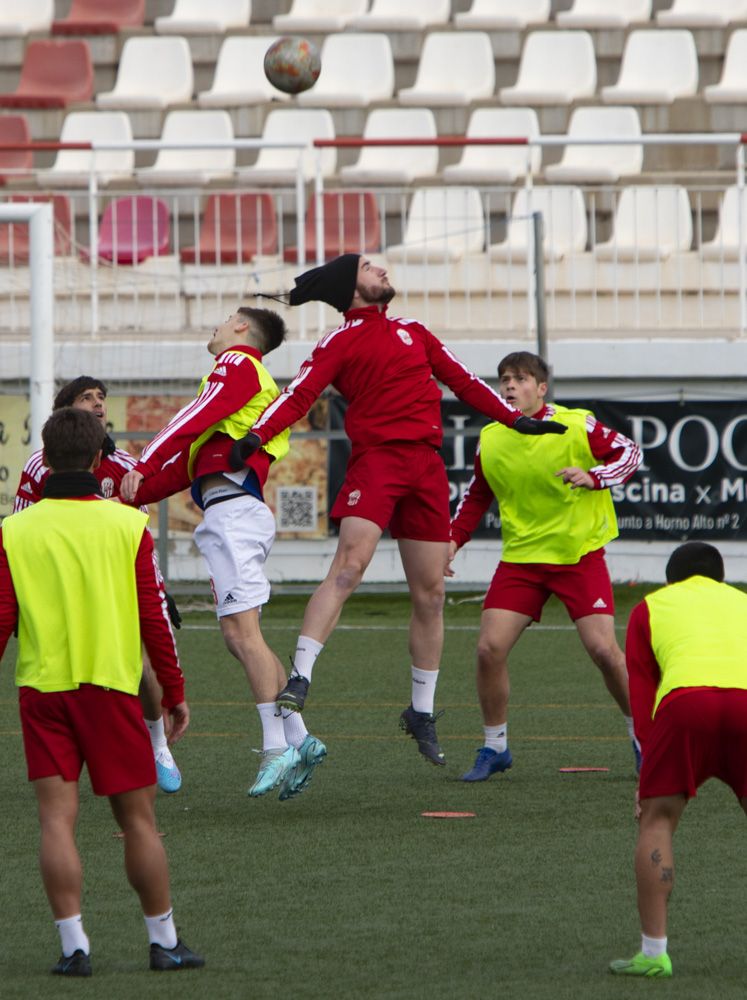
{"type": "Point", "coordinates": [691, 483]}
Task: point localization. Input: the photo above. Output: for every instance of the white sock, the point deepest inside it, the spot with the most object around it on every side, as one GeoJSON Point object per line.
{"type": "Point", "coordinates": [294, 727]}
{"type": "Point", "coordinates": [161, 929]}
{"type": "Point", "coordinates": [423, 689]}
{"type": "Point", "coordinates": [653, 947]}
{"type": "Point", "coordinates": [629, 726]}
{"type": "Point", "coordinates": [496, 737]}
{"type": "Point", "coordinates": [157, 733]}
{"type": "Point", "coordinates": [72, 935]}
{"type": "Point", "coordinates": [273, 732]}
{"type": "Point", "coordinates": [307, 650]}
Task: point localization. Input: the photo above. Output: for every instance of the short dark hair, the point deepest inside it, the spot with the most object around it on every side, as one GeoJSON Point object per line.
{"type": "Point", "coordinates": [695, 559]}
{"type": "Point", "coordinates": [268, 324]}
{"type": "Point", "coordinates": [71, 439]}
{"type": "Point", "coordinates": [70, 392]}
{"type": "Point", "coordinates": [525, 361]}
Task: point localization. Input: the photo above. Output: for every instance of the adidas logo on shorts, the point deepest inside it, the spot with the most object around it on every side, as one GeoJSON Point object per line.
{"type": "Point", "coordinates": [229, 599]}
{"type": "Point", "coordinates": [599, 603]}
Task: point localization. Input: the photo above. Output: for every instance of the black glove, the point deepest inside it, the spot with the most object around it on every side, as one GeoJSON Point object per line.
{"type": "Point", "coordinates": [528, 425]}
{"type": "Point", "coordinates": [176, 618]}
{"type": "Point", "coordinates": [242, 449]}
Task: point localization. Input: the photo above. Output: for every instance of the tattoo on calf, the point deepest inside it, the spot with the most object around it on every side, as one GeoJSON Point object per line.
{"type": "Point", "coordinates": [667, 874]}
{"type": "Point", "coordinates": [655, 856]}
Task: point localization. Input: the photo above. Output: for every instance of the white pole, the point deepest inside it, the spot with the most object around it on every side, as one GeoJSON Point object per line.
{"type": "Point", "coordinates": [740, 230]}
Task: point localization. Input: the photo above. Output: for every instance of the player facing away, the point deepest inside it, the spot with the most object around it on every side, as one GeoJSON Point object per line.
{"type": "Point", "coordinates": [78, 689]}
{"type": "Point", "coordinates": [686, 653]}
{"type": "Point", "coordinates": [556, 517]}
{"type": "Point", "coordinates": [238, 528]}
{"type": "Point", "coordinates": [386, 368]}
{"type": "Point", "coordinates": [86, 393]}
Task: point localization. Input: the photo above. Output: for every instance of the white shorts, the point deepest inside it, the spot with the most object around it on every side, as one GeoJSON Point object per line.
{"type": "Point", "coordinates": [235, 539]}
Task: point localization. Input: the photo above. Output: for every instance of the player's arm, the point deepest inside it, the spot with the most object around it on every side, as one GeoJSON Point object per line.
{"type": "Point", "coordinates": [31, 483]}
{"type": "Point", "coordinates": [471, 509]}
{"type": "Point", "coordinates": [158, 637]}
{"type": "Point", "coordinates": [644, 673]}
{"type": "Point", "coordinates": [8, 601]}
{"type": "Point", "coordinates": [618, 456]}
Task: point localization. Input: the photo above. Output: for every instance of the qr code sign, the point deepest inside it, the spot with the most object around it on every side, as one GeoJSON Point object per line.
{"type": "Point", "coordinates": [296, 508]}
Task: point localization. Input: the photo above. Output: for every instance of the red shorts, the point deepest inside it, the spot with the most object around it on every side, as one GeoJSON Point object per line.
{"type": "Point", "coordinates": [696, 735]}
{"type": "Point", "coordinates": [402, 487]}
{"type": "Point", "coordinates": [584, 587]}
{"type": "Point", "coordinates": [104, 729]}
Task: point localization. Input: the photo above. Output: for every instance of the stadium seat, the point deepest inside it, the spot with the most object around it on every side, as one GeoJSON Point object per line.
{"type": "Point", "coordinates": [556, 67]}
{"type": "Point", "coordinates": [364, 58]}
{"type": "Point", "coordinates": [321, 16]}
{"type": "Point", "coordinates": [393, 15]}
{"type": "Point", "coordinates": [196, 17]}
{"type": "Point", "coordinates": [395, 165]}
{"type": "Point", "coordinates": [15, 163]}
{"type": "Point", "coordinates": [53, 75]}
{"type": "Point", "coordinates": [696, 14]}
{"type": "Point", "coordinates": [443, 224]}
{"type": "Point", "coordinates": [651, 223]}
{"type": "Point", "coordinates": [497, 164]}
{"type": "Point", "coordinates": [239, 78]}
{"type": "Point", "coordinates": [603, 14]}
{"type": "Point", "coordinates": [732, 87]}
{"type": "Point", "coordinates": [15, 236]}
{"type": "Point", "coordinates": [599, 164]}
{"type": "Point", "coordinates": [192, 166]}
{"type": "Point", "coordinates": [504, 15]}
{"type": "Point", "coordinates": [132, 229]}
{"type": "Point", "coordinates": [278, 166]}
{"type": "Point", "coordinates": [351, 225]}
{"type": "Point", "coordinates": [152, 73]}
{"type": "Point", "coordinates": [100, 17]}
{"type": "Point", "coordinates": [725, 244]}
{"type": "Point", "coordinates": [564, 226]}
{"type": "Point", "coordinates": [455, 68]}
{"type": "Point", "coordinates": [657, 67]}
{"type": "Point", "coordinates": [72, 167]}
{"type": "Point", "coordinates": [20, 17]}
{"type": "Point", "coordinates": [234, 229]}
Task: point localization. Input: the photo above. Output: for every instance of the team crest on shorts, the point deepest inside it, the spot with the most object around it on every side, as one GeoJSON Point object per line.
{"type": "Point", "coordinates": [353, 497]}
{"type": "Point", "coordinates": [405, 337]}
{"type": "Point", "coordinates": [107, 487]}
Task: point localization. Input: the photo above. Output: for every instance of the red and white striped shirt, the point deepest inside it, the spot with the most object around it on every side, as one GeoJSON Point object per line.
{"type": "Point", "coordinates": [110, 474]}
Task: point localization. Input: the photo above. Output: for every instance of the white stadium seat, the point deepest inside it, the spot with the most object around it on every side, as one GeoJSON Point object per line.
{"type": "Point", "coordinates": [599, 164]}
{"type": "Point", "coordinates": [503, 15]}
{"type": "Point", "coordinates": [395, 165]}
{"type": "Point", "coordinates": [603, 14]}
{"type": "Point", "coordinates": [318, 16]}
{"type": "Point", "coordinates": [192, 166]}
{"type": "Point", "coordinates": [725, 244]}
{"type": "Point", "coordinates": [197, 17]}
{"type": "Point", "coordinates": [657, 67]}
{"type": "Point", "coordinates": [393, 15]}
{"type": "Point", "coordinates": [356, 70]}
{"type": "Point", "coordinates": [152, 73]}
{"type": "Point", "coordinates": [21, 17]}
{"type": "Point", "coordinates": [497, 164]}
{"type": "Point", "coordinates": [278, 166]}
{"type": "Point", "coordinates": [696, 14]}
{"type": "Point", "coordinates": [71, 167]}
{"type": "Point", "coordinates": [651, 223]}
{"type": "Point", "coordinates": [564, 226]}
{"type": "Point", "coordinates": [239, 78]}
{"type": "Point", "coordinates": [442, 224]}
{"type": "Point", "coordinates": [556, 67]}
{"type": "Point", "coordinates": [455, 68]}
{"type": "Point", "coordinates": [732, 87]}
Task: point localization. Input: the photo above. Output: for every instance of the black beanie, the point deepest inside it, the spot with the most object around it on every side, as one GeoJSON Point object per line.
{"type": "Point", "coordinates": [70, 392]}
{"type": "Point", "coordinates": [333, 283]}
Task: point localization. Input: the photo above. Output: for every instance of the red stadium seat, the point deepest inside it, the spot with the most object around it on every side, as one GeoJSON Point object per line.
{"type": "Point", "coordinates": [18, 162]}
{"type": "Point", "coordinates": [132, 229]}
{"type": "Point", "coordinates": [14, 236]}
{"type": "Point", "coordinates": [100, 17]}
{"type": "Point", "coordinates": [351, 225]}
{"type": "Point", "coordinates": [235, 228]}
{"type": "Point", "coordinates": [54, 74]}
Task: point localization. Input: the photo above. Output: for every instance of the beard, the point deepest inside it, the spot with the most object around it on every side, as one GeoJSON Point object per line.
{"type": "Point", "coordinates": [376, 297]}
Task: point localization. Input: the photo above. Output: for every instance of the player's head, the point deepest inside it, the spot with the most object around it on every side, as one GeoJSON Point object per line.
{"type": "Point", "coordinates": [522, 379]}
{"type": "Point", "coordinates": [72, 438]}
{"type": "Point", "coordinates": [84, 393]}
{"type": "Point", "coordinates": [695, 559]}
{"type": "Point", "coordinates": [348, 280]}
{"type": "Point", "coordinates": [524, 363]}
{"type": "Point", "coordinates": [260, 328]}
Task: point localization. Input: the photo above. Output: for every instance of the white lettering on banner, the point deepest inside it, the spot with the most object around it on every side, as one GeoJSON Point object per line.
{"type": "Point", "coordinates": [711, 438]}
{"type": "Point", "coordinates": [732, 488]}
{"type": "Point", "coordinates": [459, 422]}
{"type": "Point", "coordinates": [653, 428]}
{"type": "Point", "coordinates": [649, 491]}
{"type": "Point", "coordinates": [727, 441]}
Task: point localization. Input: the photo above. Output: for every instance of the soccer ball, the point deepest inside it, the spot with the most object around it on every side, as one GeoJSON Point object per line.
{"type": "Point", "coordinates": [292, 64]}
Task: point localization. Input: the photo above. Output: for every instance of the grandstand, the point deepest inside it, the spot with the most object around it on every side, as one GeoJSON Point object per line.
{"type": "Point", "coordinates": [634, 114]}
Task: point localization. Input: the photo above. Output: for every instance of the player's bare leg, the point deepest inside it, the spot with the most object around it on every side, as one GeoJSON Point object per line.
{"type": "Point", "coordinates": [597, 633]}
{"type": "Point", "coordinates": [167, 772]}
